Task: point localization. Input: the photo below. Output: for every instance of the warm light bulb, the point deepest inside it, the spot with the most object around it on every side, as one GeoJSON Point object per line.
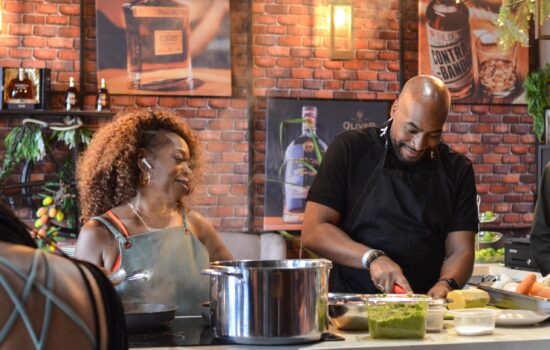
{"type": "Point", "coordinates": [340, 17]}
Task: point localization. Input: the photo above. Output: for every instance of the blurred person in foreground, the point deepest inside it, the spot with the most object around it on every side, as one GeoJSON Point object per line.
{"type": "Point", "coordinates": [394, 205]}
{"type": "Point", "coordinates": [53, 302]}
{"type": "Point", "coordinates": [135, 179]}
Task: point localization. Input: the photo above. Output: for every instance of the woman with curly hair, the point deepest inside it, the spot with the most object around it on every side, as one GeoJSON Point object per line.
{"type": "Point", "coordinates": [134, 181]}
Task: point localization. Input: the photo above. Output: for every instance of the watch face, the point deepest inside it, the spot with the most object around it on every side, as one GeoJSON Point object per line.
{"type": "Point", "coordinates": [451, 282]}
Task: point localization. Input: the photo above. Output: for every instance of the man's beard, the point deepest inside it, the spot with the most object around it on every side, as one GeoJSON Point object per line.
{"type": "Point", "coordinates": [398, 147]}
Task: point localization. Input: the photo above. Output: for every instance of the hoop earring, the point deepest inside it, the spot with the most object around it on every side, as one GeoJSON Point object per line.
{"type": "Point", "coordinates": [145, 179]}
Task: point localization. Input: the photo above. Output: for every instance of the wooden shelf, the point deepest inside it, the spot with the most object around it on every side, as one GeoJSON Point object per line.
{"type": "Point", "coordinates": [55, 113]}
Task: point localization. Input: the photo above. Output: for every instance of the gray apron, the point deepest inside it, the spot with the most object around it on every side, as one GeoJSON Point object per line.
{"type": "Point", "coordinates": [174, 259]}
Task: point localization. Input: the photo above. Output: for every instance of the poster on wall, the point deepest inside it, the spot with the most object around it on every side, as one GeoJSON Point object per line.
{"type": "Point", "coordinates": [298, 134]}
{"type": "Point", "coordinates": [169, 47]}
{"type": "Point", "coordinates": [459, 43]}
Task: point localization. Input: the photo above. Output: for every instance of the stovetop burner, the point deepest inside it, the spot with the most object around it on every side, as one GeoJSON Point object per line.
{"type": "Point", "coordinates": [186, 331]}
{"type": "Point", "coordinates": [183, 331]}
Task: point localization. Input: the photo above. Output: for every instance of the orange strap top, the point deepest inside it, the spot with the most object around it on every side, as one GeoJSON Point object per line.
{"type": "Point", "coordinates": [122, 229]}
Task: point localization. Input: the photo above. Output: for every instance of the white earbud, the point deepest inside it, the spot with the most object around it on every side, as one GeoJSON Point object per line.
{"type": "Point", "coordinates": [144, 161]}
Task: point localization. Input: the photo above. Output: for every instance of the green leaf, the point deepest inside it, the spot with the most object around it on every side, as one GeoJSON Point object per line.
{"type": "Point", "coordinates": [535, 85]}
{"type": "Point", "coordinates": [287, 121]}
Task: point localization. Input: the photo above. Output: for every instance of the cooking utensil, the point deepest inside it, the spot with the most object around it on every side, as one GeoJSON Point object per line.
{"type": "Point", "coordinates": [348, 311]}
{"type": "Point", "coordinates": [145, 317]}
{"type": "Point", "coordinates": [510, 300]}
{"type": "Point", "coordinates": [138, 275]}
{"type": "Point", "coordinates": [269, 301]}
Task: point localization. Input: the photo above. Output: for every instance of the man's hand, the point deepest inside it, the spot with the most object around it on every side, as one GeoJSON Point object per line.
{"type": "Point", "coordinates": [439, 290]}
{"type": "Point", "coordinates": [385, 273]}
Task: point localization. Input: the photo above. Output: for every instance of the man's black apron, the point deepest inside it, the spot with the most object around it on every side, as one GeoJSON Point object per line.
{"type": "Point", "coordinates": [405, 215]}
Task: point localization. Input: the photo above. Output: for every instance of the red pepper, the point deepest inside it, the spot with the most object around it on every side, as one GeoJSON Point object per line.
{"type": "Point", "coordinates": [397, 289]}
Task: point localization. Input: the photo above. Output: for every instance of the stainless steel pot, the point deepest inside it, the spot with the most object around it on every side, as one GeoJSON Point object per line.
{"type": "Point", "coordinates": [269, 301]}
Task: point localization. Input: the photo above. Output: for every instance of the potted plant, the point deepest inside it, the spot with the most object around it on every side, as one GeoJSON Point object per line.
{"type": "Point", "coordinates": [31, 143]}
{"type": "Point", "coordinates": [536, 94]}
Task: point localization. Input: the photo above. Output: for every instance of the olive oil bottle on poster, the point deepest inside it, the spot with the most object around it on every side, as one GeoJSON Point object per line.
{"type": "Point", "coordinates": [301, 165]}
{"type": "Point", "coordinates": [450, 48]}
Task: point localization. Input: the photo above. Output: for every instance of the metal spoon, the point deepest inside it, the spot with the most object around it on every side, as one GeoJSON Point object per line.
{"type": "Point", "coordinates": [121, 275]}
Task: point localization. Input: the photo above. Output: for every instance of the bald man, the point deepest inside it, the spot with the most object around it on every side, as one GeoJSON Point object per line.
{"type": "Point", "coordinates": [394, 205]}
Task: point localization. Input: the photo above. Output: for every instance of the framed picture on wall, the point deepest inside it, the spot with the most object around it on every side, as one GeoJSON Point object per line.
{"type": "Point", "coordinates": [542, 30]}
{"type": "Point", "coordinates": [25, 88]}
{"type": "Point", "coordinates": [172, 47]}
{"type": "Point", "coordinates": [298, 134]}
{"type": "Point", "coordinates": [459, 43]}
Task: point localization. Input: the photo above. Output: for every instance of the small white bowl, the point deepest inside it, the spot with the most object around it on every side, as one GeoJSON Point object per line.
{"type": "Point", "coordinates": [477, 321]}
{"type": "Point", "coordinates": [434, 319]}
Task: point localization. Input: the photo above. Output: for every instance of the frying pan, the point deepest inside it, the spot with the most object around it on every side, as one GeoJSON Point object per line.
{"type": "Point", "coordinates": [146, 317]}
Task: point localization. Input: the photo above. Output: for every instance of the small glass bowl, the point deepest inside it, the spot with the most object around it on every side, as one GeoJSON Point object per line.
{"type": "Point", "coordinates": [477, 321]}
{"type": "Point", "coordinates": [348, 311]}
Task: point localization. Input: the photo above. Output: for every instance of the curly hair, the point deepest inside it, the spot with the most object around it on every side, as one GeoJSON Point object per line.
{"type": "Point", "coordinates": [107, 172]}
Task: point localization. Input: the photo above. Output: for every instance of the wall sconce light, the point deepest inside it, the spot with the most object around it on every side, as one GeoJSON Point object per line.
{"type": "Point", "coordinates": [341, 30]}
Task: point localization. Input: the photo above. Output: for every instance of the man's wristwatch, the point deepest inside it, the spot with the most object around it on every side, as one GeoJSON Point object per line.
{"type": "Point", "coordinates": [451, 282]}
{"type": "Point", "coordinates": [369, 256]}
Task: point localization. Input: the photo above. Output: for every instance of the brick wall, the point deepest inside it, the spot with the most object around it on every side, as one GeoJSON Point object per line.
{"type": "Point", "coordinates": [280, 49]}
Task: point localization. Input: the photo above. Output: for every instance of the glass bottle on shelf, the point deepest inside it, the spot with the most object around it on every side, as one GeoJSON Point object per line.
{"type": "Point", "coordinates": [301, 164]}
{"type": "Point", "coordinates": [450, 48]}
{"type": "Point", "coordinates": [103, 102]}
{"type": "Point", "coordinates": [71, 96]}
{"type": "Point", "coordinates": [20, 89]}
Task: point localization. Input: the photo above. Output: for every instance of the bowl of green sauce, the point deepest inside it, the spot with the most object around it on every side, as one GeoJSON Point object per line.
{"type": "Point", "coordinates": [397, 316]}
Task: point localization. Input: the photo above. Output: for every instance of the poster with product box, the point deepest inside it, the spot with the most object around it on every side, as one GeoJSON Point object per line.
{"type": "Point", "coordinates": [25, 88]}
{"type": "Point", "coordinates": [459, 43]}
{"type": "Point", "coordinates": [164, 47]}
{"type": "Point", "coordinates": [298, 134]}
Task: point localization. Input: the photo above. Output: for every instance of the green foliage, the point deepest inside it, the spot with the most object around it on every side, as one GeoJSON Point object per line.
{"type": "Point", "coordinates": [69, 137]}
{"type": "Point", "coordinates": [536, 84]}
{"type": "Point", "coordinates": [22, 143]}
{"type": "Point", "coordinates": [513, 20]}
{"type": "Point", "coordinates": [32, 142]}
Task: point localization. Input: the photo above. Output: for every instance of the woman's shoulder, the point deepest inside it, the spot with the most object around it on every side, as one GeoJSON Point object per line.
{"type": "Point", "coordinates": [197, 219]}
{"type": "Point", "coordinates": [95, 227]}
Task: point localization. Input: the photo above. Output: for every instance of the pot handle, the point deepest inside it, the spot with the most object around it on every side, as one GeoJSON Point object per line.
{"type": "Point", "coordinates": [214, 272]}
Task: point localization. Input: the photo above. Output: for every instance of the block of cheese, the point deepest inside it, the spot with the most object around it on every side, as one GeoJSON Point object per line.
{"type": "Point", "coordinates": [468, 298]}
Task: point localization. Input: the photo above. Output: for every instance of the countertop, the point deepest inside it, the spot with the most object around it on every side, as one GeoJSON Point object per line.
{"type": "Point", "coordinates": [504, 338]}
{"type": "Point", "coordinates": [536, 337]}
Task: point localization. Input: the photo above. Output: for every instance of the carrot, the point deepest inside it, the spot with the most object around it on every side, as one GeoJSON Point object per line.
{"type": "Point", "coordinates": [397, 289]}
{"type": "Point", "coordinates": [540, 290]}
{"type": "Point", "coordinates": [526, 284]}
